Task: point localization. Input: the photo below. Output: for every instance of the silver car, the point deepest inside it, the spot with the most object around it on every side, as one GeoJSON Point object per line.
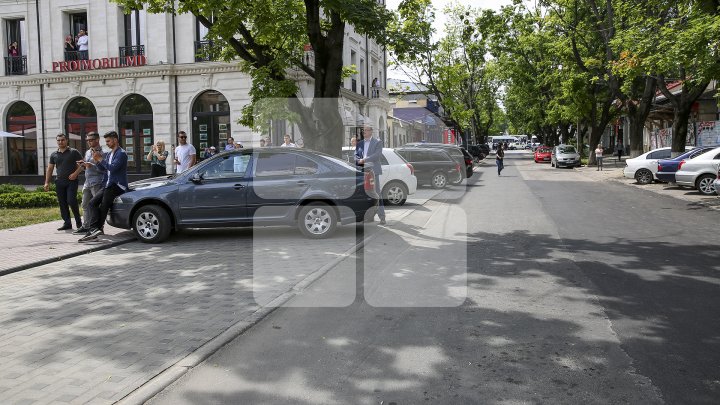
{"type": "Point", "coordinates": [716, 183]}
{"type": "Point", "coordinates": [564, 155]}
{"type": "Point", "coordinates": [700, 172]}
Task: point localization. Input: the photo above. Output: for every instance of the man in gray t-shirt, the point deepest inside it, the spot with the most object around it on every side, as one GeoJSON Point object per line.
{"type": "Point", "coordinates": [93, 180]}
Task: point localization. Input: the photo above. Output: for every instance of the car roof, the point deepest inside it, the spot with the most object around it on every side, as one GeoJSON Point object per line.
{"type": "Point", "coordinates": [708, 154]}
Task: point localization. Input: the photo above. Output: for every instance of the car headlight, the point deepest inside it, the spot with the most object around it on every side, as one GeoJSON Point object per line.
{"type": "Point", "coordinates": [121, 200]}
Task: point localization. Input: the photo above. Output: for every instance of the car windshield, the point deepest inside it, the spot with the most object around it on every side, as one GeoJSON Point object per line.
{"type": "Point", "coordinates": [543, 150]}
{"type": "Point", "coordinates": [567, 149]}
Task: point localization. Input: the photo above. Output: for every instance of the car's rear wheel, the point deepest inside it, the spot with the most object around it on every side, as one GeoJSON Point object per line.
{"type": "Point", "coordinates": [395, 193]}
{"type": "Point", "coordinates": [704, 184]}
{"type": "Point", "coordinates": [439, 180]}
{"type": "Point", "coordinates": [644, 176]}
{"type": "Point", "coordinates": [152, 224]}
{"type": "Point", "coordinates": [317, 220]}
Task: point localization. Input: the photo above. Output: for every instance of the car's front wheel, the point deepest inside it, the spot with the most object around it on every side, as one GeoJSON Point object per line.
{"type": "Point", "coordinates": [151, 224]}
{"type": "Point", "coordinates": [439, 180]}
{"type": "Point", "coordinates": [644, 176]}
{"type": "Point", "coordinates": [317, 220]}
{"type": "Point", "coordinates": [704, 184]}
{"type": "Point", "coordinates": [395, 193]}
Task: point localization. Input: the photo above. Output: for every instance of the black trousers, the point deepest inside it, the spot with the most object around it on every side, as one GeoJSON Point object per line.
{"type": "Point", "coordinates": [157, 171]}
{"type": "Point", "coordinates": [100, 205]}
{"type": "Point", "coordinates": [66, 191]}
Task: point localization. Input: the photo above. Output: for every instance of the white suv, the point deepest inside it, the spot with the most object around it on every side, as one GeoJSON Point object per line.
{"type": "Point", "coordinates": [397, 180]}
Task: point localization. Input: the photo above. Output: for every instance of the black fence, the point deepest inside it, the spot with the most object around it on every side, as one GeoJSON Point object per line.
{"type": "Point", "coordinates": [204, 51]}
{"type": "Point", "coordinates": [16, 65]}
{"type": "Point", "coordinates": [125, 51]}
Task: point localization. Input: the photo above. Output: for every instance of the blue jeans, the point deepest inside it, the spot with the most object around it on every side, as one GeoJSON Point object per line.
{"type": "Point", "coordinates": [500, 166]}
{"type": "Point", "coordinates": [66, 191]}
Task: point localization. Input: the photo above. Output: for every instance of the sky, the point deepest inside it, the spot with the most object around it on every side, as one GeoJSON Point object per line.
{"type": "Point", "coordinates": [440, 18]}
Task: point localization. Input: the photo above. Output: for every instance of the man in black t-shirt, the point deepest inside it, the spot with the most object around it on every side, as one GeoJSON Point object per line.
{"type": "Point", "coordinates": [65, 159]}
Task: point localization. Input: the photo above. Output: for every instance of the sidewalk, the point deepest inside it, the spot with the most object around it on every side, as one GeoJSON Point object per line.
{"type": "Point", "coordinates": [35, 245]}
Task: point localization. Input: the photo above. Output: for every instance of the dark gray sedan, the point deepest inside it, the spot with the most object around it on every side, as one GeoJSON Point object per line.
{"type": "Point", "coordinates": [268, 186]}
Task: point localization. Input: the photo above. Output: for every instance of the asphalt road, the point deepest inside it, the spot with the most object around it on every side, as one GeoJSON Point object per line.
{"type": "Point", "coordinates": [540, 286]}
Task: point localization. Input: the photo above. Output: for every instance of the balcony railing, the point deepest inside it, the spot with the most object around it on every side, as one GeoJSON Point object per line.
{"type": "Point", "coordinates": [125, 51]}
{"type": "Point", "coordinates": [378, 92]}
{"type": "Point", "coordinates": [72, 55]}
{"type": "Point", "coordinates": [16, 65]}
{"type": "Point", "coordinates": [204, 51]}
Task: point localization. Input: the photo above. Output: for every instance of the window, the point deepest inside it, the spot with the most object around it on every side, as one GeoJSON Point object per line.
{"type": "Point", "coordinates": [275, 164]}
{"type": "Point", "coordinates": [383, 160]}
{"type": "Point", "coordinates": [134, 35]}
{"type": "Point", "coordinates": [15, 59]}
{"type": "Point", "coordinates": [22, 155]}
{"type": "Point", "coordinates": [232, 166]}
{"type": "Point", "coordinates": [660, 154]}
{"type": "Point", "coordinates": [203, 46]}
{"type": "Point", "coordinates": [305, 166]}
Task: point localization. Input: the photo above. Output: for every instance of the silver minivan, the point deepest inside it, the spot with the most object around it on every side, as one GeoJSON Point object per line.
{"type": "Point", "coordinates": [564, 155]}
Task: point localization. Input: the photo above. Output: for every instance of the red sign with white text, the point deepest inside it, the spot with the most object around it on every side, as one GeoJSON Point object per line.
{"type": "Point", "coordinates": [102, 63]}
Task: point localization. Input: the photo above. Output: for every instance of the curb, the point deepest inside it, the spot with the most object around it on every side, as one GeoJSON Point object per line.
{"type": "Point", "coordinates": [43, 262]}
{"type": "Point", "coordinates": [167, 377]}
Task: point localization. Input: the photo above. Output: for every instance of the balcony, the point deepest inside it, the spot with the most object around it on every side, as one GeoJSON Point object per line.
{"type": "Point", "coordinates": [378, 92]}
{"type": "Point", "coordinates": [125, 51]}
{"type": "Point", "coordinates": [204, 51]}
{"type": "Point", "coordinates": [72, 55]}
{"type": "Point", "coordinates": [16, 65]}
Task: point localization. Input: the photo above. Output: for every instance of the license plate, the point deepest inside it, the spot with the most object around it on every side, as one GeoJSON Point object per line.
{"type": "Point", "coordinates": [546, 158]}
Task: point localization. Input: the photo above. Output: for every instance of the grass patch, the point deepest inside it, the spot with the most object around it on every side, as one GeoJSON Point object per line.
{"type": "Point", "coordinates": [16, 217]}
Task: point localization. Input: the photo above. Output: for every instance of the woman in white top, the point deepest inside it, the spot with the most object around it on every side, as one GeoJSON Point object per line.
{"type": "Point", "coordinates": [599, 156]}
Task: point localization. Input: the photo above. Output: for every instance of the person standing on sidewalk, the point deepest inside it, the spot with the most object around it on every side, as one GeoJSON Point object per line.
{"type": "Point", "coordinates": [599, 156]}
{"type": "Point", "coordinates": [157, 157]}
{"type": "Point", "coordinates": [367, 156]}
{"type": "Point", "coordinates": [499, 158]}
{"type": "Point", "coordinates": [184, 154]}
{"type": "Point", "coordinates": [114, 164]}
{"type": "Point", "coordinates": [66, 181]}
{"type": "Point", "coordinates": [93, 179]}
{"type": "Point", "coordinates": [619, 151]}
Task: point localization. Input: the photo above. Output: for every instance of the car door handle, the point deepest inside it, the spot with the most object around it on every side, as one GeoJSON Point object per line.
{"type": "Point", "coordinates": [238, 186]}
{"type": "Point", "coordinates": [302, 183]}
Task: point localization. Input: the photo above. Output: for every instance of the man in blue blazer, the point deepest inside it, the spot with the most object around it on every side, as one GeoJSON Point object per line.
{"type": "Point", "coordinates": [367, 156]}
{"type": "Point", "coordinates": [114, 165]}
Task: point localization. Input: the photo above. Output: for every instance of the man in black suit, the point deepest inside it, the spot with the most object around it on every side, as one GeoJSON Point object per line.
{"type": "Point", "coordinates": [367, 156]}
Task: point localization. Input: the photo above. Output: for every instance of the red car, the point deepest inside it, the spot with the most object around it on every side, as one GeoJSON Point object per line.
{"type": "Point", "coordinates": [542, 154]}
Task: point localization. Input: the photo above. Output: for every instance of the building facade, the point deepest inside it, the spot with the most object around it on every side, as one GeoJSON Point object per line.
{"type": "Point", "coordinates": [144, 75]}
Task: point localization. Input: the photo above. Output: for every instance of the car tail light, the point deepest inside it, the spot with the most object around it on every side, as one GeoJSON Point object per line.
{"type": "Point", "coordinates": [659, 167]}
{"type": "Point", "coordinates": [369, 181]}
{"type": "Point", "coordinates": [412, 169]}
{"type": "Point", "coordinates": [468, 161]}
{"type": "Point", "coordinates": [682, 162]}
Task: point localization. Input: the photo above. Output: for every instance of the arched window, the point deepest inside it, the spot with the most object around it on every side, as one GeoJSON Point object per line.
{"type": "Point", "coordinates": [211, 122]}
{"type": "Point", "coordinates": [22, 151]}
{"type": "Point", "coordinates": [136, 131]}
{"type": "Point", "coordinates": [80, 118]}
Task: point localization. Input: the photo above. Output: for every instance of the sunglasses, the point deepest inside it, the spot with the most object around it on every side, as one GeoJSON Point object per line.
{"type": "Point", "coordinates": [183, 137]}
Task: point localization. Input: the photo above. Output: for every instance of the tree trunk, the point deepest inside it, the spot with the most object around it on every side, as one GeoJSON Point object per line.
{"type": "Point", "coordinates": [638, 114]}
{"type": "Point", "coordinates": [682, 104]}
{"type": "Point", "coordinates": [680, 126]}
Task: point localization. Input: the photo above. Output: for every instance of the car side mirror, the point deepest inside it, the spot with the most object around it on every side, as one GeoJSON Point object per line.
{"type": "Point", "coordinates": [196, 178]}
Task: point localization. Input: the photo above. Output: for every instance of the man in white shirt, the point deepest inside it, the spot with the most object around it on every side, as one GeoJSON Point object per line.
{"type": "Point", "coordinates": [184, 154]}
{"type": "Point", "coordinates": [288, 143]}
{"type": "Point", "coordinates": [82, 44]}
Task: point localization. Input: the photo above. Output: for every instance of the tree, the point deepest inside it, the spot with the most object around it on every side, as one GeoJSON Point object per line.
{"type": "Point", "coordinates": [269, 37]}
{"type": "Point", "coordinates": [454, 68]}
{"type": "Point", "coordinates": [680, 42]}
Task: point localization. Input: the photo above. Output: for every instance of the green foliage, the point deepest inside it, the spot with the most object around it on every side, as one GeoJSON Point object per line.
{"type": "Point", "coordinates": [11, 188]}
{"type": "Point", "coordinates": [28, 200]}
{"type": "Point", "coordinates": [41, 189]}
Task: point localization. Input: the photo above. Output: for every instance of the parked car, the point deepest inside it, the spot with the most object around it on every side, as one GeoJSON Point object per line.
{"type": "Point", "coordinates": [644, 167]}
{"type": "Point", "coordinates": [246, 187]}
{"type": "Point", "coordinates": [460, 155]}
{"type": "Point", "coordinates": [542, 154]}
{"type": "Point", "coordinates": [478, 152]}
{"type": "Point", "coordinates": [432, 166]}
{"type": "Point", "coordinates": [700, 172]}
{"type": "Point", "coordinates": [564, 155]}
{"type": "Point", "coordinates": [666, 168]}
{"type": "Point", "coordinates": [716, 183]}
{"type": "Point", "coordinates": [397, 180]}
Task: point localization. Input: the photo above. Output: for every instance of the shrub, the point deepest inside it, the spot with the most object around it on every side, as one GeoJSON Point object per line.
{"type": "Point", "coordinates": [28, 200]}
{"type": "Point", "coordinates": [11, 188]}
{"type": "Point", "coordinates": [41, 189]}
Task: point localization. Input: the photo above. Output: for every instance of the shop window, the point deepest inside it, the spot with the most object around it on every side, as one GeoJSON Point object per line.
{"type": "Point", "coordinates": [80, 118]}
{"type": "Point", "coordinates": [21, 150]}
{"type": "Point", "coordinates": [211, 122]}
